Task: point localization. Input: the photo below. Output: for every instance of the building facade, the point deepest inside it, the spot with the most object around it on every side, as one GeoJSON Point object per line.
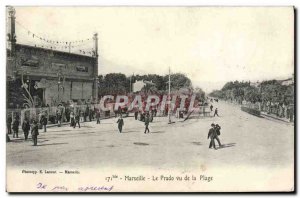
{"type": "Point", "coordinates": [48, 77]}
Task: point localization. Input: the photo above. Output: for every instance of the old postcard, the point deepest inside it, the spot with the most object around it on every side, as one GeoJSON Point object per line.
{"type": "Point", "coordinates": [150, 99]}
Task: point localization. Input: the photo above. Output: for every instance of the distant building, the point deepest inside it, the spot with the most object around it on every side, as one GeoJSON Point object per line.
{"type": "Point", "coordinates": [255, 84]}
{"type": "Point", "coordinates": [289, 81]}
{"type": "Point", "coordinates": [138, 85]}
{"type": "Point", "coordinates": [51, 76]}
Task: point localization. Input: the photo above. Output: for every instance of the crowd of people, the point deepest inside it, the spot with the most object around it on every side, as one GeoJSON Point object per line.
{"type": "Point", "coordinates": [76, 116]}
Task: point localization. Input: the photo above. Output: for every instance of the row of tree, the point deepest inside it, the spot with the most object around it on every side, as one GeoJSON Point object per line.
{"type": "Point", "coordinates": [267, 91]}
{"type": "Point", "coordinates": [117, 83]}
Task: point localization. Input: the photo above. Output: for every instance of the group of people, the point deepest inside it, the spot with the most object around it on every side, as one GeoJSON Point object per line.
{"type": "Point", "coordinates": [26, 126]}
{"type": "Point", "coordinates": [213, 134]}
{"type": "Point", "coordinates": [146, 117]}
{"type": "Point", "coordinates": [216, 110]}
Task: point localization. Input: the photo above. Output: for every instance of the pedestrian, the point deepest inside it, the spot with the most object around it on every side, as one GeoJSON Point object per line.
{"type": "Point", "coordinates": [120, 123]}
{"type": "Point", "coordinates": [59, 117]}
{"type": "Point", "coordinates": [216, 112]}
{"type": "Point", "coordinates": [67, 112]}
{"type": "Point", "coordinates": [86, 113]}
{"type": "Point", "coordinates": [218, 133]}
{"type": "Point", "coordinates": [98, 116]}
{"type": "Point", "coordinates": [211, 107]}
{"type": "Point", "coordinates": [34, 132]}
{"type": "Point", "coordinates": [77, 120]}
{"type": "Point", "coordinates": [16, 124]}
{"type": "Point", "coordinates": [72, 119]}
{"type": "Point", "coordinates": [151, 116]}
{"type": "Point", "coordinates": [90, 115]}
{"type": "Point", "coordinates": [211, 135]}
{"type": "Point", "coordinates": [8, 124]}
{"type": "Point", "coordinates": [180, 114]}
{"type": "Point", "coordinates": [147, 121]}
{"type": "Point", "coordinates": [82, 116]}
{"type": "Point", "coordinates": [26, 127]}
{"type": "Point", "coordinates": [136, 113]}
{"type": "Point", "coordinates": [44, 122]}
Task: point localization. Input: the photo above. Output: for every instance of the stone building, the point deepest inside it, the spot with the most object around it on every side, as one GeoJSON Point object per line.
{"type": "Point", "coordinates": [46, 76]}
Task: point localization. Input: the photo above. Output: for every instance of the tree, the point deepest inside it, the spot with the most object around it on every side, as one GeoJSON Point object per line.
{"type": "Point", "coordinates": [178, 81]}
{"type": "Point", "coordinates": [113, 84]}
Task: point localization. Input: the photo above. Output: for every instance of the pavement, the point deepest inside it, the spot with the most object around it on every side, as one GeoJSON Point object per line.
{"type": "Point", "coordinates": [246, 139]}
{"type": "Point", "coordinates": [272, 116]}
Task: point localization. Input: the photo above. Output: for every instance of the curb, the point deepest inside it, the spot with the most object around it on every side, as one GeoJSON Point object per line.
{"type": "Point", "coordinates": [265, 115]}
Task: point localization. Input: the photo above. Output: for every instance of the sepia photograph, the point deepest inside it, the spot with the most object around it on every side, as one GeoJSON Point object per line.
{"type": "Point", "coordinates": [105, 99]}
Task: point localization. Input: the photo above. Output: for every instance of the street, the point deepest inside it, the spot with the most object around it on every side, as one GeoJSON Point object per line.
{"type": "Point", "coordinates": [247, 140]}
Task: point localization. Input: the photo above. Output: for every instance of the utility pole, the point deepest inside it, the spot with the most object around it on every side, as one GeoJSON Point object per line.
{"type": "Point", "coordinates": [169, 110]}
{"type": "Point", "coordinates": [130, 84]}
{"type": "Point", "coordinates": [96, 65]}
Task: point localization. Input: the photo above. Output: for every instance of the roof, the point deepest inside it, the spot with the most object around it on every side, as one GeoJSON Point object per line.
{"type": "Point", "coordinates": [56, 51]}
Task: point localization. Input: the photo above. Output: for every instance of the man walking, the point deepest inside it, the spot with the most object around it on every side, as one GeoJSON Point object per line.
{"type": "Point", "coordinates": [98, 116]}
{"type": "Point", "coordinates": [16, 124]}
{"type": "Point", "coordinates": [136, 113]}
{"type": "Point", "coordinates": [34, 132]}
{"type": "Point", "coordinates": [77, 118]}
{"type": "Point", "coordinates": [26, 128]}
{"type": "Point", "coordinates": [44, 122]}
{"type": "Point", "coordinates": [90, 115]}
{"type": "Point", "coordinates": [211, 135]}
{"type": "Point", "coordinates": [59, 117]}
{"type": "Point", "coordinates": [8, 124]}
{"type": "Point", "coordinates": [120, 123]}
{"type": "Point", "coordinates": [218, 132]}
{"type": "Point", "coordinates": [216, 112]}
{"type": "Point", "coordinates": [72, 119]}
{"type": "Point", "coordinates": [147, 121]}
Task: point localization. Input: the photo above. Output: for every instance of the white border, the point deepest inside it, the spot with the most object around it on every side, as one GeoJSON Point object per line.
{"type": "Point", "coordinates": [3, 3]}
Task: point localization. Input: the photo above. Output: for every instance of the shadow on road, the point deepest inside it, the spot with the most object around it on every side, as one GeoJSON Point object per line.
{"type": "Point", "coordinates": [227, 145]}
{"type": "Point", "coordinates": [51, 144]}
{"type": "Point", "coordinates": [131, 131]}
{"type": "Point", "coordinates": [141, 143]}
{"type": "Point", "coordinates": [16, 140]}
{"type": "Point", "coordinates": [158, 132]}
{"type": "Point", "coordinates": [197, 143]}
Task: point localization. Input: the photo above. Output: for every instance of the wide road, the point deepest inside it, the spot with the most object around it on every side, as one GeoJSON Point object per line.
{"type": "Point", "coordinates": [247, 140]}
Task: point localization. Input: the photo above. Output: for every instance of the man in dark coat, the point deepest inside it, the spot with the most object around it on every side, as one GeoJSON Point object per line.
{"type": "Point", "coordinates": [218, 132]}
{"type": "Point", "coordinates": [211, 107]}
{"type": "Point", "coordinates": [8, 124]}
{"type": "Point", "coordinates": [147, 121]}
{"type": "Point", "coordinates": [26, 128]}
{"type": "Point", "coordinates": [98, 116]}
{"type": "Point", "coordinates": [120, 123]}
{"type": "Point", "coordinates": [16, 124]}
{"type": "Point", "coordinates": [136, 113]}
{"type": "Point", "coordinates": [34, 132]}
{"type": "Point", "coordinates": [216, 112]}
{"type": "Point", "coordinates": [90, 115]}
{"type": "Point", "coordinates": [211, 135]}
{"type": "Point", "coordinates": [67, 112]}
{"type": "Point", "coordinates": [87, 113]}
{"type": "Point", "coordinates": [77, 118]}
{"type": "Point", "coordinates": [59, 117]}
{"type": "Point", "coordinates": [44, 122]}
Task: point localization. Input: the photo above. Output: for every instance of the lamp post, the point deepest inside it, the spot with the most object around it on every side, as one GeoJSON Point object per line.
{"type": "Point", "coordinates": [96, 88]}
{"type": "Point", "coordinates": [59, 84]}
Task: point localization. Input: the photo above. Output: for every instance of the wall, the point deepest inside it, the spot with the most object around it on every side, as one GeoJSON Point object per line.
{"type": "Point", "coordinates": [77, 72]}
{"type": "Point", "coordinates": [44, 62]}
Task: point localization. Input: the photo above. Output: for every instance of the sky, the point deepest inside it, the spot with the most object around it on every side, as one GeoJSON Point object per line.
{"type": "Point", "coordinates": [210, 45]}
